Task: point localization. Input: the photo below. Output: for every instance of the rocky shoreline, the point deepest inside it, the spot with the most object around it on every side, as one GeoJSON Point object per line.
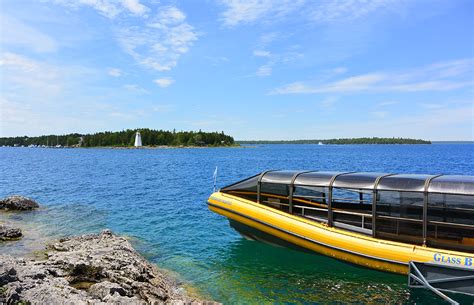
{"type": "Point", "coordinates": [99, 268]}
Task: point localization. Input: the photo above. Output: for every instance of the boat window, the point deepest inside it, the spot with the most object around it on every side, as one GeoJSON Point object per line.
{"type": "Point", "coordinates": [275, 195]}
{"type": "Point", "coordinates": [400, 216]}
{"type": "Point", "coordinates": [451, 221]}
{"type": "Point", "coordinates": [275, 189]}
{"type": "Point", "coordinates": [311, 202]}
{"type": "Point", "coordinates": [352, 209]}
{"type": "Point", "coordinates": [246, 188]}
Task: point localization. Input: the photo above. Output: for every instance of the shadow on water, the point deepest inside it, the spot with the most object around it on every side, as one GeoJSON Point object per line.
{"type": "Point", "coordinates": [276, 274]}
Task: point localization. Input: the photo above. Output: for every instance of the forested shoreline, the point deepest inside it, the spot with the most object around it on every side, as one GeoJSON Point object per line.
{"type": "Point", "coordinates": [374, 140]}
{"type": "Point", "coordinates": [125, 138]}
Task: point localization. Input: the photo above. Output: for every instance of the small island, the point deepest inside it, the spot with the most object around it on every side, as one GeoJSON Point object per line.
{"type": "Point", "coordinates": [374, 140]}
{"type": "Point", "coordinates": [125, 138]}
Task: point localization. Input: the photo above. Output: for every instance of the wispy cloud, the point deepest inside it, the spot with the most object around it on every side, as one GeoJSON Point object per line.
{"type": "Point", "coordinates": [108, 8]}
{"type": "Point", "coordinates": [261, 53]}
{"type": "Point", "coordinates": [217, 60]}
{"type": "Point", "coordinates": [164, 82]}
{"type": "Point", "coordinates": [20, 73]}
{"type": "Point", "coordinates": [161, 41]}
{"type": "Point", "coordinates": [155, 40]}
{"type": "Point", "coordinates": [379, 114]}
{"type": "Point", "coordinates": [115, 72]}
{"type": "Point", "coordinates": [273, 59]}
{"type": "Point", "coordinates": [330, 11]}
{"type": "Point", "coordinates": [326, 11]}
{"type": "Point", "coordinates": [328, 102]}
{"type": "Point", "coordinates": [135, 7]}
{"type": "Point", "coordinates": [248, 11]}
{"type": "Point", "coordinates": [136, 88]}
{"type": "Point", "coordinates": [444, 76]}
{"type": "Point", "coordinates": [265, 70]}
{"type": "Point", "coordinates": [386, 103]}
{"type": "Point", "coordinates": [20, 34]}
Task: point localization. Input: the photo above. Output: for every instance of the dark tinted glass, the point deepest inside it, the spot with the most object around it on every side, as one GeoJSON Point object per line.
{"type": "Point", "coordinates": [404, 182]}
{"type": "Point", "coordinates": [275, 189]}
{"type": "Point", "coordinates": [315, 178]}
{"type": "Point", "coordinates": [279, 177]}
{"type": "Point", "coordinates": [399, 216]}
{"type": "Point", "coordinates": [246, 185]}
{"type": "Point", "coordinates": [451, 221]}
{"type": "Point", "coordinates": [357, 180]}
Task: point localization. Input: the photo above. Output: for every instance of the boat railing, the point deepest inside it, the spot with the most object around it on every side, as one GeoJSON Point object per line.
{"type": "Point", "coordinates": [364, 216]}
{"type": "Point", "coordinates": [396, 204]}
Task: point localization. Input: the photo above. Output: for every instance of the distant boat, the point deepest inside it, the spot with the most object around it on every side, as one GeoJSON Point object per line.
{"type": "Point", "coordinates": [320, 143]}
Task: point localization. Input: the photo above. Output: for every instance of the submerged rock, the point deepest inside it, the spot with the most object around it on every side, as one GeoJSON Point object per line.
{"type": "Point", "coordinates": [9, 233]}
{"type": "Point", "coordinates": [88, 269]}
{"type": "Point", "coordinates": [18, 203]}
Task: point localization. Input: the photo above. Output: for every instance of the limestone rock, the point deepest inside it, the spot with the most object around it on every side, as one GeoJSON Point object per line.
{"type": "Point", "coordinates": [19, 203]}
{"type": "Point", "coordinates": [8, 233]}
{"type": "Point", "coordinates": [89, 269]}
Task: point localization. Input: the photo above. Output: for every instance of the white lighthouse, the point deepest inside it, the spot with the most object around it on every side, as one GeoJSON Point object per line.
{"type": "Point", "coordinates": [138, 139]}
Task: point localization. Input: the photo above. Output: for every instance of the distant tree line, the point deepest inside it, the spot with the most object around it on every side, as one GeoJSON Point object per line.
{"type": "Point", "coordinates": [122, 138]}
{"type": "Point", "coordinates": [373, 140]}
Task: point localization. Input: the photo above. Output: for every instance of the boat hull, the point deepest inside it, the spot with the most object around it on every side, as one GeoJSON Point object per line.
{"type": "Point", "coordinates": [260, 222]}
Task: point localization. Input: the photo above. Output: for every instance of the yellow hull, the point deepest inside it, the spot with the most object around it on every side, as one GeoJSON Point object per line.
{"type": "Point", "coordinates": [334, 242]}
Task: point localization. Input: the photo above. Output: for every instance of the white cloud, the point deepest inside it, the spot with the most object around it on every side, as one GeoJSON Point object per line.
{"type": "Point", "coordinates": [379, 114]}
{"type": "Point", "coordinates": [19, 73]}
{"type": "Point", "coordinates": [328, 102]}
{"type": "Point", "coordinates": [17, 33]}
{"type": "Point", "coordinates": [164, 82]}
{"type": "Point", "coordinates": [161, 41]}
{"type": "Point", "coordinates": [339, 70]}
{"type": "Point", "coordinates": [135, 88]}
{"type": "Point", "coordinates": [115, 72]}
{"type": "Point", "coordinates": [265, 70]}
{"type": "Point", "coordinates": [386, 103]}
{"type": "Point", "coordinates": [432, 106]}
{"type": "Point", "coordinates": [329, 11]}
{"type": "Point", "coordinates": [443, 76]}
{"type": "Point", "coordinates": [155, 41]}
{"type": "Point", "coordinates": [326, 11]}
{"type": "Point", "coordinates": [171, 15]}
{"type": "Point", "coordinates": [108, 8]}
{"type": "Point", "coordinates": [261, 53]}
{"type": "Point", "coordinates": [161, 108]}
{"type": "Point", "coordinates": [248, 11]}
{"type": "Point", "coordinates": [135, 7]}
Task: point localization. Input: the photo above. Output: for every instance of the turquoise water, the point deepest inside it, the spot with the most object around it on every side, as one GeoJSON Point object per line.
{"type": "Point", "coordinates": [158, 198]}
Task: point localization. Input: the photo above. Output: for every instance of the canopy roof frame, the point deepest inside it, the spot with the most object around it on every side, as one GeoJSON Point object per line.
{"type": "Point", "coordinates": [375, 188]}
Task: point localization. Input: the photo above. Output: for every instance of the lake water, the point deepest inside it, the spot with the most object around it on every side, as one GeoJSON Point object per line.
{"type": "Point", "coordinates": [157, 197]}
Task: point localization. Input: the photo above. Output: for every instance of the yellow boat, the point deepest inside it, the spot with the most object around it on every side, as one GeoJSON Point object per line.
{"type": "Point", "coordinates": [376, 220]}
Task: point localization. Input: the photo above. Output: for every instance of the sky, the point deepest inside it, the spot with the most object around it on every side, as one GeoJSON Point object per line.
{"type": "Point", "coordinates": [255, 69]}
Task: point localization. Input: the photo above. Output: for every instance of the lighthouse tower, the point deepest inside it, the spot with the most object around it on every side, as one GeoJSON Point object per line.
{"type": "Point", "coordinates": [138, 139]}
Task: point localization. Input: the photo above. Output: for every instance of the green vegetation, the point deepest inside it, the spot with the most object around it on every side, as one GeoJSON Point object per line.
{"type": "Point", "coordinates": [126, 138]}
{"type": "Point", "coordinates": [344, 141]}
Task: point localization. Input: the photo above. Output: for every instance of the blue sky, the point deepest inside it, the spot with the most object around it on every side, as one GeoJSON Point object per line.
{"type": "Point", "coordinates": [254, 69]}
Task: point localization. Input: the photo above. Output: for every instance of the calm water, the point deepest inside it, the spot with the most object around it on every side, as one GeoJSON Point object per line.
{"type": "Point", "coordinates": [158, 198]}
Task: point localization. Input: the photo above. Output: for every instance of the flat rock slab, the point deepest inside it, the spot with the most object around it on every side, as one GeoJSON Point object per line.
{"type": "Point", "coordinates": [9, 233]}
{"type": "Point", "coordinates": [18, 203]}
{"type": "Point", "coordinates": [89, 269]}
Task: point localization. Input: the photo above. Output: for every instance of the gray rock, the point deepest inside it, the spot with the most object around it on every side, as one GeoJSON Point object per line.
{"type": "Point", "coordinates": [88, 269]}
{"type": "Point", "coordinates": [9, 233]}
{"type": "Point", "coordinates": [19, 203]}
